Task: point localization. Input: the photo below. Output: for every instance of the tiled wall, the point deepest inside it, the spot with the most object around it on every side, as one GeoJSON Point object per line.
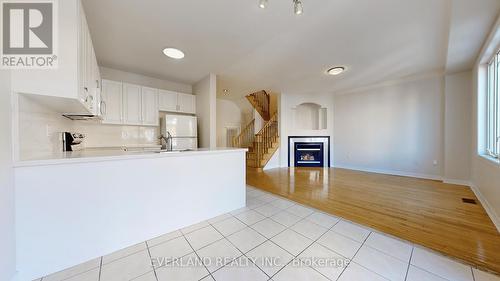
{"type": "Point", "coordinates": [40, 128]}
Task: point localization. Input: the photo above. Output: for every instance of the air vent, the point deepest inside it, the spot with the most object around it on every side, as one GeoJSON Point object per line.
{"type": "Point", "coordinates": [469, 201]}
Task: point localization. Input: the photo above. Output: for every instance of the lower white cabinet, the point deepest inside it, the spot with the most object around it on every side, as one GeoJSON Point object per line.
{"type": "Point", "coordinates": [132, 104]}
{"type": "Point", "coordinates": [150, 111]}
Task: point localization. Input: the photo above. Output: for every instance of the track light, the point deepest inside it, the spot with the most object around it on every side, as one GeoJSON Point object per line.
{"type": "Point", "coordinates": [297, 7]}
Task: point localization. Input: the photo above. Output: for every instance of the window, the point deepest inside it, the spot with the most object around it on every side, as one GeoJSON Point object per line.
{"type": "Point", "coordinates": [493, 108]}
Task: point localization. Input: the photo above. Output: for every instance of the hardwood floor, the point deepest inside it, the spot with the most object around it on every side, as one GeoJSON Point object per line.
{"type": "Point", "coordinates": [425, 212]}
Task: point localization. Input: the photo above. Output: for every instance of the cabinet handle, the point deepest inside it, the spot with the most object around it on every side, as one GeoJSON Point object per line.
{"type": "Point", "coordinates": [97, 84]}
{"type": "Point", "coordinates": [86, 89]}
{"type": "Point", "coordinates": [103, 108]}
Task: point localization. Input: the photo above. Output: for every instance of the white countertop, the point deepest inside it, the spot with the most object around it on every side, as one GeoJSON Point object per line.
{"type": "Point", "coordinates": [94, 155]}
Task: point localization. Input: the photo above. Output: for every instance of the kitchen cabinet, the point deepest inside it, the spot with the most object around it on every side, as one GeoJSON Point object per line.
{"type": "Point", "coordinates": [90, 80]}
{"type": "Point", "coordinates": [74, 78]}
{"type": "Point", "coordinates": [186, 103]}
{"type": "Point", "coordinates": [177, 102]}
{"type": "Point", "coordinates": [167, 101]}
{"type": "Point", "coordinates": [150, 111]}
{"type": "Point", "coordinates": [112, 102]}
{"type": "Point", "coordinates": [132, 104]}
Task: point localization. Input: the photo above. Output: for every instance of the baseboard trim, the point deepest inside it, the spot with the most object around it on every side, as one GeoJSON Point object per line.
{"type": "Point", "coordinates": [391, 172]}
{"type": "Point", "coordinates": [489, 210]}
{"type": "Point", "coordinates": [457, 182]}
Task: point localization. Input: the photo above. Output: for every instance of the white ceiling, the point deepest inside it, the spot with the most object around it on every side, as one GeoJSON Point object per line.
{"type": "Point", "coordinates": [251, 48]}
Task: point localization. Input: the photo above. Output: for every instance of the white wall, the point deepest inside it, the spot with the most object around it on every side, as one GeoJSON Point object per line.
{"type": "Point", "coordinates": [458, 127]}
{"type": "Point", "coordinates": [392, 128]}
{"type": "Point", "coordinates": [206, 107]}
{"type": "Point", "coordinates": [129, 77]}
{"type": "Point", "coordinates": [485, 173]}
{"type": "Point", "coordinates": [228, 115]}
{"type": "Point", "coordinates": [7, 233]}
{"type": "Point", "coordinates": [288, 126]}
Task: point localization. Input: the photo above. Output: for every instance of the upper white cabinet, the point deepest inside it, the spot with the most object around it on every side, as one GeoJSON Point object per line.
{"type": "Point", "coordinates": [89, 75]}
{"type": "Point", "coordinates": [186, 103]}
{"type": "Point", "coordinates": [132, 104]}
{"type": "Point", "coordinates": [76, 75]}
{"type": "Point", "coordinates": [129, 104]}
{"type": "Point", "coordinates": [150, 112]}
{"type": "Point", "coordinates": [112, 102]}
{"type": "Point", "coordinates": [167, 100]}
{"type": "Point", "coordinates": [177, 102]}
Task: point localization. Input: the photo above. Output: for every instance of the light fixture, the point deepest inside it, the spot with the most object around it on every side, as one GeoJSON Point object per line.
{"type": "Point", "coordinates": [297, 7]}
{"type": "Point", "coordinates": [173, 53]}
{"type": "Point", "coordinates": [226, 92]}
{"type": "Point", "coordinates": [336, 70]}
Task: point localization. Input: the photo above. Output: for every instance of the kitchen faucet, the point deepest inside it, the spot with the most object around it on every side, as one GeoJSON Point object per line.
{"type": "Point", "coordinates": [168, 142]}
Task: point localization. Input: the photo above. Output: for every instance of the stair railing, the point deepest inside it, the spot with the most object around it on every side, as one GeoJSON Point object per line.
{"type": "Point", "coordinates": [265, 139]}
{"type": "Point", "coordinates": [261, 102]}
{"type": "Point", "coordinates": [246, 137]}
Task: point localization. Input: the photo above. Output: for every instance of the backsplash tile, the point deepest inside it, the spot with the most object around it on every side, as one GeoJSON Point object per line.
{"type": "Point", "coordinates": [40, 131]}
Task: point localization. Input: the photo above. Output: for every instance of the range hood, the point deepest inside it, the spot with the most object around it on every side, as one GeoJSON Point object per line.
{"type": "Point", "coordinates": [83, 117]}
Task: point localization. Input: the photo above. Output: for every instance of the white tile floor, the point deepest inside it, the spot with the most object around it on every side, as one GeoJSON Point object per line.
{"type": "Point", "coordinates": [273, 238]}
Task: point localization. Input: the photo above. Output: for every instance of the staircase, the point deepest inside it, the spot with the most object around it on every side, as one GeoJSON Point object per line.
{"type": "Point", "coordinates": [263, 145]}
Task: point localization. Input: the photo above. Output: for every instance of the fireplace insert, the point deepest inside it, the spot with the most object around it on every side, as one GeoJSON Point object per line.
{"type": "Point", "coordinates": [309, 154]}
{"type": "Point", "coordinates": [308, 151]}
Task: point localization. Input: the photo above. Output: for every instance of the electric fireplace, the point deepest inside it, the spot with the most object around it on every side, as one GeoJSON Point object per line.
{"type": "Point", "coordinates": [308, 151]}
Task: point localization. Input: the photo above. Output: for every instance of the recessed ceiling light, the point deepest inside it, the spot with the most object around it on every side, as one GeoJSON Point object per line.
{"type": "Point", "coordinates": [263, 4]}
{"type": "Point", "coordinates": [173, 53]}
{"type": "Point", "coordinates": [336, 70]}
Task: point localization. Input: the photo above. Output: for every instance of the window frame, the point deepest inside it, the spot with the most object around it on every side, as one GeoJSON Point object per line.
{"type": "Point", "coordinates": [493, 107]}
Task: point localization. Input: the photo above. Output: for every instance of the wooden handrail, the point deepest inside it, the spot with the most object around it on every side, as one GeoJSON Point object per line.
{"type": "Point", "coordinates": [246, 137]}
{"type": "Point", "coordinates": [265, 139]}
{"type": "Point", "coordinates": [261, 102]}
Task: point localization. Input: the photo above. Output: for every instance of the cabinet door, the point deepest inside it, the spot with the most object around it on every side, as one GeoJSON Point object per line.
{"type": "Point", "coordinates": [150, 116]}
{"type": "Point", "coordinates": [168, 101]}
{"type": "Point", "coordinates": [132, 114]}
{"type": "Point", "coordinates": [83, 90]}
{"type": "Point", "coordinates": [186, 103]}
{"type": "Point", "coordinates": [112, 102]}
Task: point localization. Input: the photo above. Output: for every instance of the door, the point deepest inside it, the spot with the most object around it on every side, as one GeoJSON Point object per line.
{"type": "Point", "coordinates": [187, 103]}
{"type": "Point", "coordinates": [167, 101]}
{"type": "Point", "coordinates": [150, 116]}
{"type": "Point", "coordinates": [112, 102]}
{"type": "Point", "coordinates": [181, 126]}
{"type": "Point", "coordinates": [132, 103]}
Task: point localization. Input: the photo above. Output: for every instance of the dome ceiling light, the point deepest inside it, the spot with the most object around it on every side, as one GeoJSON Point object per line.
{"type": "Point", "coordinates": [336, 70]}
{"type": "Point", "coordinates": [173, 53]}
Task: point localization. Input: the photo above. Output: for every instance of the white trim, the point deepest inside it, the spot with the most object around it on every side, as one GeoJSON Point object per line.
{"type": "Point", "coordinates": [489, 210]}
{"type": "Point", "coordinates": [390, 172]}
{"type": "Point", "coordinates": [457, 182]}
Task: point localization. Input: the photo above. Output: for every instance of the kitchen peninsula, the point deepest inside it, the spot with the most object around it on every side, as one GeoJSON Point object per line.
{"type": "Point", "coordinates": [73, 208]}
